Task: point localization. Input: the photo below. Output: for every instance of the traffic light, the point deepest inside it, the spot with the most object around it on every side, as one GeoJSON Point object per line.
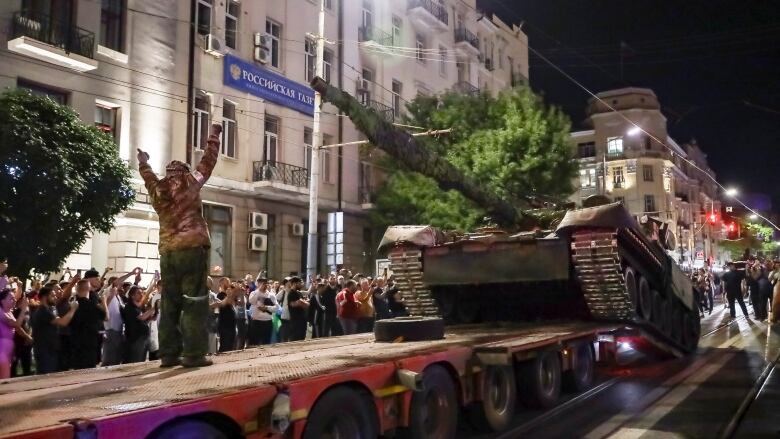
{"type": "Point", "coordinates": [732, 230]}
{"type": "Point", "coordinates": [712, 218]}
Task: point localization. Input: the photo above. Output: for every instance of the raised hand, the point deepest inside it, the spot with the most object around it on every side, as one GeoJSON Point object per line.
{"type": "Point", "coordinates": [143, 157]}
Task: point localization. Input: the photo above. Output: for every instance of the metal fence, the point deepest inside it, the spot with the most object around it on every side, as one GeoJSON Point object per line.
{"type": "Point", "coordinates": [60, 34]}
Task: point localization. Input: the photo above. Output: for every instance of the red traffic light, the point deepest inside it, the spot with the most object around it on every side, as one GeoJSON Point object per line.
{"type": "Point", "coordinates": [731, 227]}
{"type": "Point", "coordinates": [713, 218]}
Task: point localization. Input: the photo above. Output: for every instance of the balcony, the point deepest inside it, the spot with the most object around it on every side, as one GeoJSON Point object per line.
{"type": "Point", "coordinates": [465, 88]}
{"type": "Point", "coordinates": [385, 111]}
{"type": "Point", "coordinates": [428, 16]}
{"type": "Point", "coordinates": [280, 177]}
{"type": "Point", "coordinates": [466, 43]}
{"type": "Point", "coordinates": [39, 36]}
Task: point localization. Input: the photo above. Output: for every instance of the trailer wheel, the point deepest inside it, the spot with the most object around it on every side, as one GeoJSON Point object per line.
{"type": "Point", "coordinates": [580, 377]}
{"type": "Point", "coordinates": [189, 428]}
{"type": "Point", "coordinates": [341, 412]}
{"type": "Point", "coordinates": [434, 410]}
{"type": "Point", "coordinates": [540, 381]}
{"type": "Point", "coordinates": [645, 299]}
{"type": "Point", "coordinates": [409, 329]}
{"type": "Point", "coordinates": [499, 399]}
{"type": "Point", "coordinates": [630, 281]}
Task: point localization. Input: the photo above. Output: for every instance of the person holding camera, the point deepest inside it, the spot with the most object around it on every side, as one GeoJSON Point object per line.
{"type": "Point", "coordinates": [264, 306]}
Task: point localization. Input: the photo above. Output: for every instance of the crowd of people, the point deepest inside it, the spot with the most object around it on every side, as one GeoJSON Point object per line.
{"type": "Point", "coordinates": [82, 321]}
{"type": "Point", "coordinates": [755, 279]}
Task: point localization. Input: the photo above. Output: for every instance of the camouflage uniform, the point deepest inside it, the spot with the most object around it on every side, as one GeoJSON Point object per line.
{"type": "Point", "coordinates": [184, 251]}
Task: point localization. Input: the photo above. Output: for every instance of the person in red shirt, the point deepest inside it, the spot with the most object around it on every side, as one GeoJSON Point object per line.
{"type": "Point", "coordinates": [348, 309]}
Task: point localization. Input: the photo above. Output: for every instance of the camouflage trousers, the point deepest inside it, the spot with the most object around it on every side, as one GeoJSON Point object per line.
{"type": "Point", "coordinates": [184, 306]}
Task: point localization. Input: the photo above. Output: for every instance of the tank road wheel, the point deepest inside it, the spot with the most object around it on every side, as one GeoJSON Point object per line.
{"type": "Point", "coordinates": [499, 398]}
{"type": "Point", "coordinates": [630, 281]}
{"type": "Point", "coordinates": [540, 381]}
{"type": "Point", "coordinates": [434, 410]}
{"type": "Point", "coordinates": [580, 377]}
{"type": "Point", "coordinates": [645, 299]}
{"type": "Point", "coordinates": [342, 412]}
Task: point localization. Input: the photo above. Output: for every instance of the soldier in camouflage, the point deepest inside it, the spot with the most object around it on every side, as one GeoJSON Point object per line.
{"type": "Point", "coordinates": [184, 252]}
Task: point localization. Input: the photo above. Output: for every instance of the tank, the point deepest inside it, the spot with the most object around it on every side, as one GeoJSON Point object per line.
{"type": "Point", "coordinates": [599, 263]}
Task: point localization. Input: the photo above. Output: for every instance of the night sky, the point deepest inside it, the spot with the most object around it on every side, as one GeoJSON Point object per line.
{"type": "Point", "coordinates": [714, 64]}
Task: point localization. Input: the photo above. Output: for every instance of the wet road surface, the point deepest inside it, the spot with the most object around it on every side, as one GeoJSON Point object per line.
{"type": "Point", "coordinates": [729, 388]}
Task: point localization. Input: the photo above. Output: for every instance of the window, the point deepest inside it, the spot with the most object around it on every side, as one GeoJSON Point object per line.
{"type": "Point", "coordinates": [585, 150]}
{"type": "Point", "coordinates": [420, 45]}
{"type": "Point", "coordinates": [310, 58]}
{"type": "Point", "coordinates": [500, 58]}
{"type": "Point", "coordinates": [220, 229]}
{"type": "Point", "coordinates": [200, 123]}
{"type": "Point", "coordinates": [442, 61]}
{"type": "Point", "coordinates": [327, 62]}
{"type": "Point", "coordinates": [587, 178]}
{"type": "Point", "coordinates": [274, 31]}
{"type": "Point", "coordinates": [621, 200]}
{"type": "Point", "coordinates": [271, 142]}
{"type": "Point", "coordinates": [614, 145]}
{"type": "Point", "coordinates": [203, 18]}
{"type": "Point", "coordinates": [617, 177]}
{"type": "Point", "coordinates": [40, 90]}
{"type": "Point", "coordinates": [106, 117]}
{"type": "Point", "coordinates": [326, 171]}
{"type": "Point", "coordinates": [650, 203]}
{"type": "Point", "coordinates": [232, 13]}
{"type": "Point", "coordinates": [368, 14]}
{"type": "Point", "coordinates": [308, 138]}
{"type": "Point", "coordinates": [397, 22]}
{"type": "Point", "coordinates": [648, 142]}
{"type": "Point", "coordinates": [647, 172]}
{"type": "Point", "coordinates": [366, 78]}
{"type": "Point", "coordinates": [329, 4]}
{"type": "Point", "coordinates": [229, 129]}
{"type": "Point", "coordinates": [112, 31]}
{"type": "Point", "coordinates": [397, 88]}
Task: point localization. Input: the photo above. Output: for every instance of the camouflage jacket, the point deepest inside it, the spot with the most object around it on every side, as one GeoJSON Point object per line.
{"type": "Point", "coordinates": [176, 199]}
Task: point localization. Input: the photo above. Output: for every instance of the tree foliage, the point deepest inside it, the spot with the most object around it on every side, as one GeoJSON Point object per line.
{"type": "Point", "coordinates": [756, 238]}
{"type": "Point", "coordinates": [514, 144]}
{"type": "Point", "coordinates": [59, 180]}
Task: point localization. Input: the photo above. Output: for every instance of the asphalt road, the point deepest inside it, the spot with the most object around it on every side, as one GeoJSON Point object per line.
{"type": "Point", "coordinates": [729, 388]}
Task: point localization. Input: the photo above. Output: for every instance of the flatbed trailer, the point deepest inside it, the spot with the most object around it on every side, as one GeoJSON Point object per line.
{"type": "Point", "coordinates": [305, 389]}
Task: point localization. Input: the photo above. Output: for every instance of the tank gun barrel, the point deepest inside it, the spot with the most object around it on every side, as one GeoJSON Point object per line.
{"type": "Point", "coordinates": [403, 147]}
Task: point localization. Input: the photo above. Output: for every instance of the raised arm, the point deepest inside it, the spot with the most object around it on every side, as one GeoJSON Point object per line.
{"type": "Point", "coordinates": [209, 160]}
{"type": "Point", "coordinates": [150, 178]}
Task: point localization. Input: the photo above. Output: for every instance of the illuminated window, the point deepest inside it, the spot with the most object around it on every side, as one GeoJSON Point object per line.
{"type": "Point", "coordinates": [649, 203]}
{"type": "Point", "coordinates": [647, 172]}
{"type": "Point", "coordinates": [614, 145]}
{"type": "Point", "coordinates": [617, 177]}
{"type": "Point", "coordinates": [587, 178]}
{"type": "Point", "coordinates": [106, 118]}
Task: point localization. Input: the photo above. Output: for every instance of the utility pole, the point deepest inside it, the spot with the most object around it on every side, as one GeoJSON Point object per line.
{"type": "Point", "coordinates": [314, 175]}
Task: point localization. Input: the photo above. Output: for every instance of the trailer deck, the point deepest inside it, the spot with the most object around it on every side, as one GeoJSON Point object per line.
{"type": "Point", "coordinates": [138, 397]}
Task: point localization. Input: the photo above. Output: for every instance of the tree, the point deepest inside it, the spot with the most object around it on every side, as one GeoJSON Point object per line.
{"type": "Point", "coordinates": [513, 144]}
{"type": "Point", "coordinates": [756, 238]}
{"type": "Point", "coordinates": [59, 180]}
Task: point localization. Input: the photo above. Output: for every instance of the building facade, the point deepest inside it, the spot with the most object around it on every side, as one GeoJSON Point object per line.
{"type": "Point", "coordinates": [157, 73]}
{"type": "Point", "coordinates": [620, 161]}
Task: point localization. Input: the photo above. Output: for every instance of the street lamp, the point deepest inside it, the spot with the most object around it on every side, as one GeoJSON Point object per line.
{"type": "Point", "coordinates": [753, 216]}
{"type": "Point", "coordinates": [732, 192]}
{"type": "Point", "coordinates": [633, 131]}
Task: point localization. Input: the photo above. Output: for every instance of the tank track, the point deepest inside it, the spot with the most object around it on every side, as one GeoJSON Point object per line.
{"type": "Point", "coordinates": [406, 265]}
{"type": "Point", "coordinates": [597, 267]}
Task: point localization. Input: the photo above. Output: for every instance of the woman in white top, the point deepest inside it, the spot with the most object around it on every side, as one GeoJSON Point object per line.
{"type": "Point", "coordinates": [264, 305]}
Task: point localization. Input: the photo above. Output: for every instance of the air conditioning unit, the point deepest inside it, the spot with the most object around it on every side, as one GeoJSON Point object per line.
{"type": "Point", "coordinates": [215, 46]}
{"type": "Point", "coordinates": [258, 242]}
{"type": "Point", "coordinates": [262, 52]}
{"type": "Point", "coordinates": [261, 55]}
{"type": "Point", "coordinates": [296, 229]}
{"type": "Point", "coordinates": [258, 221]}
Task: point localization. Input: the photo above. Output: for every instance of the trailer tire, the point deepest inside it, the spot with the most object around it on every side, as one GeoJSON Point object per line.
{"type": "Point", "coordinates": [540, 381]}
{"type": "Point", "coordinates": [496, 409]}
{"type": "Point", "coordinates": [409, 329]}
{"type": "Point", "coordinates": [433, 413]}
{"type": "Point", "coordinates": [630, 281]}
{"type": "Point", "coordinates": [580, 377]}
{"type": "Point", "coordinates": [342, 412]}
{"type": "Point", "coordinates": [189, 428]}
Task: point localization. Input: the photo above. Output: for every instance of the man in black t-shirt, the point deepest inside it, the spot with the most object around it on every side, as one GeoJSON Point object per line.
{"type": "Point", "coordinates": [332, 327]}
{"type": "Point", "coordinates": [298, 306]}
{"type": "Point", "coordinates": [226, 325]}
{"type": "Point", "coordinates": [85, 327]}
{"type": "Point", "coordinates": [46, 336]}
{"type": "Point", "coordinates": [732, 283]}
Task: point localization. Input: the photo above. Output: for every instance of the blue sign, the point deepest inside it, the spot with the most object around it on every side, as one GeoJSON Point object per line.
{"type": "Point", "coordinates": [268, 85]}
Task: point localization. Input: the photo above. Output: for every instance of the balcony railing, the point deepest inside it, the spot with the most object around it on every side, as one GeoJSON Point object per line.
{"type": "Point", "coordinates": [280, 173]}
{"type": "Point", "coordinates": [465, 87]}
{"type": "Point", "coordinates": [378, 36]}
{"type": "Point", "coordinates": [59, 34]}
{"type": "Point", "coordinates": [615, 154]}
{"type": "Point", "coordinates": [434, 8]}
{"type": "Point", "coordinates": [385, 111]}
{"type": "Point", "coordinates": [464, 35]}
